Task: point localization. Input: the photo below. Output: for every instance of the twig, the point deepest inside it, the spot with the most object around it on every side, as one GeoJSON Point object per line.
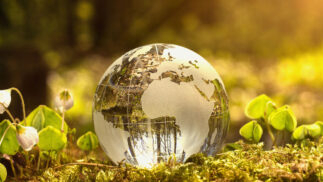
{"type": "Point", "coordinates": [84, 164]}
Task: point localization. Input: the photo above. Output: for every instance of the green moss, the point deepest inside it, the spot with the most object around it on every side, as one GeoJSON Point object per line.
{"type": "Point", "coordinates": [302, 162]}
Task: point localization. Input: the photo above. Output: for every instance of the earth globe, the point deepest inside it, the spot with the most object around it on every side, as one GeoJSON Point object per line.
{"type": "Point", "coordinates": [160, 101]}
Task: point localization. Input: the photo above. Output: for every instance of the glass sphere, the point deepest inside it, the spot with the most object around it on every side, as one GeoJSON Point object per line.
{"type": "Point", "coordinates": [159, 101]}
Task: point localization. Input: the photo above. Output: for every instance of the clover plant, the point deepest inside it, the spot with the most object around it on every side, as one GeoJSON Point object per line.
{"type": "Point", "coordinates": [264, 110]}
{"type": "Point", "coordinates": [307, 131]}
{"type": "Point", "coordinates": [43, 133]}
{"type": "Point", "coordinates": [3, 173]}
{"type": "Point", "coordinates": [251, 131]}
{"type": "Point", "coordinates": [87, 142]}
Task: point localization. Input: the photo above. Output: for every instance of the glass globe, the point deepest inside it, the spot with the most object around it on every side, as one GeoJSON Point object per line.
{"type": "Point", "coordinates": [159, 101]}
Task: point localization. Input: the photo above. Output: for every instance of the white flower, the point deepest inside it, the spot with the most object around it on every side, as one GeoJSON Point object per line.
{"type": "Point", "coordinates": [27, 137]}
{"type": "Point", "coordinates": [5, 99]}
{"type": "Point", "coordinates": [64, 101]}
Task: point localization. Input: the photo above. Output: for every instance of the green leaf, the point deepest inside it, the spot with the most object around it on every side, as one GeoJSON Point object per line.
{"type": "Point", "coordinates": [256, 108]}
{"type": "Point", "coordinates": [251, 131]}
{"type": "Point", "coordinates": [283, 119]}
{"type": "Point", "coordinates": [305, 131]}
{"type": "Point", "coordinates": [88, 141]}
{"type": "Point", "coordinates": [270, 107]}
{"type": "Point", "coordinates": [51, 138]}
{"type": "Point", "coordinates": [314, 130]}
{"type": "Point", "coordinates": [3, 173]}
{"type": "Point", "coordinates": [10, 143]}
{"type": "Point", "coordinates": [44, 116]}
{"type": "Point", "coordinates": [320, 124]}
{"type": "Point", "coordinates": [299, 133]}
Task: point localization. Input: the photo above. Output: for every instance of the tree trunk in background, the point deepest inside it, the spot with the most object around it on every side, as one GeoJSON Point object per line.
{"type": "Point", "coordinates": [24, 69]}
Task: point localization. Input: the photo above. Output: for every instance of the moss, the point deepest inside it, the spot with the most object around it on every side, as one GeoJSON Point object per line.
{"type": "Point", "coordinates": [249, 163]}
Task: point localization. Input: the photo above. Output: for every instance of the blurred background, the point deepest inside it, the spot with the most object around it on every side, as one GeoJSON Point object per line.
{"type": "Point", "coordinates": [273, 47]}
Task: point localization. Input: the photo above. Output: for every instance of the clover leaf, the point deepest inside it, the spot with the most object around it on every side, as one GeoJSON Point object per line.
{"type": "Point", "coordinates": [88, 141]}
{"type": "Point", "coordinates": [299, 133]}
{"type": "Point", "coordinates": [283, 119]}
{"type": "Point", "coordinates": [314, 130]}
{"type": "Point", "coordinates": [44, 116]}
{"type": "Point", "coordinates": [9, 143]}
{"type": "Point", "coordinates": [51, 138]}
{"type": "Point", "coordinates": [305, 131]}
{"type": "Point", "coordinates": [256, 108]}
{"type": "Point", "coordinates": [251, 131]}
{"type": "Point", "coordinates": [3, 173]}
{"type": "Point", "coordinates": [320, 124]}
{"type": "Point", "coordinates": [270, 108]}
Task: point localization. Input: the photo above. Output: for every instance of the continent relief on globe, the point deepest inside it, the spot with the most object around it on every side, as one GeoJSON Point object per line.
{"type": "Point", "coordinates": [161, 100]}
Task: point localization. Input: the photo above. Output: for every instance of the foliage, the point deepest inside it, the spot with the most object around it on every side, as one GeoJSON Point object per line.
{"type": "Point", "coordinates": [320, 123]}
{"type": "Point", "coordinates": [251, 131]}
{"type": "Point", "coordinates": [256, 108]}
{"type": "Point", "coordinates": [305, 131]}
{"type": "Point", "coordinates": [3, 173]}
{"type": "Point", "coordinates": [237, 162]}
{"type": "Point", "coordinates": [44, 116]}
{"type": "Point", "coordinates": [9, 144]}
{"type": "Point", "coordinates": [260, 108]}
{"type": "Point", "coordinates": [51, 139]}
{"type": "Point", "coordinates": [213, 30]}
{"type": "Point", "coordinates": [88, 141]}
{"type": "Point", "coordinates": [283, 119]}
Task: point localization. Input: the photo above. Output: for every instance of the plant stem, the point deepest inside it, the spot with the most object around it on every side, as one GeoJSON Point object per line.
{"type": "Point", "coordinates": [21, 170]}
{"type": "Point", "coordinates": [38, 161]}
{"type": "Point", "coordinates": [86, 156]}
{"type": "Point", "coordinates": [283, 137]}
{"type": "Point", "coordinates": [8, 112]}
{"type": "Point", "coordinates": [59, 157]}
{"type": "Point", "coordinates": [274, 143]}
{"type": "Point", "coordinates": [22, 103]}
{"type": "Point", "coordinates": [27, 158]}
{"type": "Point", "coordinates": [17, 120]}
{"type": "Point", "coordinates": [13, 168]}
{"type": "Point", "coordinates": [267, 124]}
{"type": "Point", "coordinates": [271, 134]}
{"type": "Point", "coordinates": [63, 120]}
{"type": "Point", "coordinates": [48, 159]}
{"type": "Point", "coordinates": [63, 114]}
{"type": "Point", "coordinates": [4, 134]}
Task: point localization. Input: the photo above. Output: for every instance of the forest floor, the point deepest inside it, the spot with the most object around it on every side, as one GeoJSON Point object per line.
{"type": "Point", "coordinates": [248, 162]}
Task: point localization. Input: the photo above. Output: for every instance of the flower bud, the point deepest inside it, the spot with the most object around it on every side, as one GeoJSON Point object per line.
{"type": "Point", "coordinates": [27, 137]}
{"type": "Point", "coordinates": [64, 101]}
{"type": "Point", "coordinates": [5, 99]}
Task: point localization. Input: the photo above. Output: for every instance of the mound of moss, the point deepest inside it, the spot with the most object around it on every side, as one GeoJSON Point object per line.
{"type": "Point", "coordinates": [303, 162]}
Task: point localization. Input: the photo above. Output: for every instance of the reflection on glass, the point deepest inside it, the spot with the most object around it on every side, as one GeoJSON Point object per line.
{"type": "Point", "coordinates": [160, 101]}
